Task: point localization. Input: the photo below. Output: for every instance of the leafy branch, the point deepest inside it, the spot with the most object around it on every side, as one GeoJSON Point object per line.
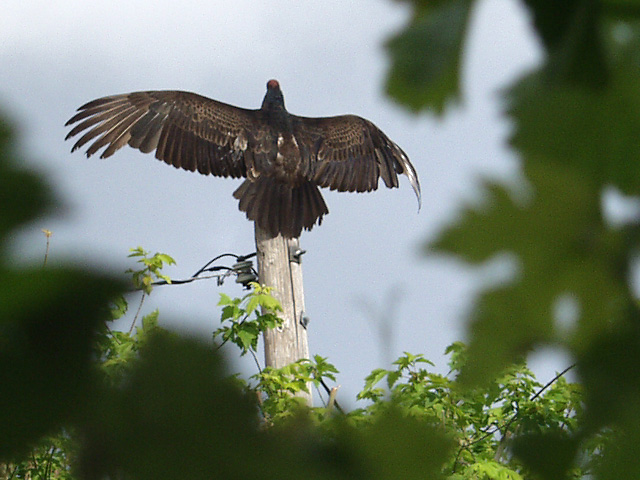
{"type": "Point", "coordinates": [144, 278]}
{"type": "Point", "coordinates": [244, 319]}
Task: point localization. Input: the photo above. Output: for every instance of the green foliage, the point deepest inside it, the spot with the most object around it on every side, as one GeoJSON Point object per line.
{"type": "Point", "coordinates": [244, 319]}
{"type": "Point", "coordinates": [277, 387]}
{"type": "Point", "coordinates": [150, 272]}
{"type": "Point", "coordinates": [117, 350]}
{"type": "Point", "coordinates": [574, 123]}
{"type": "Point", "coordinates": [430, 81]}
{"type": "Point", "coordinates": [49, 460]}
{"type": "Point", "coordinates": [483, 421]}
{"type": "Point", "coordinates": [49, 321]}
{"type": "Point", "coordinates": [170, 416]}
{"type": "Point", "coordinates": [22, 194]}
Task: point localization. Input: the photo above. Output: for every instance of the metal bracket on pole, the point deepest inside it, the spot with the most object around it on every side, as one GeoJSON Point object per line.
{"type": "Point", "coordinates": [304, 319]}
{"type": "Point", "coordinates": [295, 254]}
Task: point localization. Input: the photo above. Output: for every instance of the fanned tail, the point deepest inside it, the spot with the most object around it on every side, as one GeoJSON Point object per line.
{"type": "Point", "coordinates": [279, 208]}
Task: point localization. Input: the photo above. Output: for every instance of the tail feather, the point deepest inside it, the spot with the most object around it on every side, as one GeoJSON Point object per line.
{"type": "Point", "coordinates": [279, 208]}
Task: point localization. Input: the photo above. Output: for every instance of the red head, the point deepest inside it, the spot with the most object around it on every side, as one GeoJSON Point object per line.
{"type": "Point", "coordinates": [273, 100]}
{"type": "Point", "coordinates": [271, 84]}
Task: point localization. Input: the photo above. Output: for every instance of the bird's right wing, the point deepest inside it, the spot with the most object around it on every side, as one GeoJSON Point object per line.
{"type": "Point", "coordinates": [349, 153]}
{"type": "Point", "coordinates": [186, 130]}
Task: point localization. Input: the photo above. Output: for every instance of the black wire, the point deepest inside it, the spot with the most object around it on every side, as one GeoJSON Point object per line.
{"type": "Point", "coordinates": [189, 280]}
{"type": "Point", "coordinates": [207, 268]}
{"type": "Point", "coordinates": [213, 260]}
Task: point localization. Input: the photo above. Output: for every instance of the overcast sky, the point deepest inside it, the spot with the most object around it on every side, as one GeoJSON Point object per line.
{"type": "Point", "coordinates": [363, 266]}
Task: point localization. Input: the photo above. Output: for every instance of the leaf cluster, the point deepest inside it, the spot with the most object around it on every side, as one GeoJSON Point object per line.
{"type": "Point", "coordinates": [572, 265]}
{"type": "Point", "coordinates": [277, 387]}
{"type": "Point", "coordinates": [150, 272]}
{"type": "Point", "coordinates": [244, 319]}
{"type": "Point", "coordinates": [482, 421]}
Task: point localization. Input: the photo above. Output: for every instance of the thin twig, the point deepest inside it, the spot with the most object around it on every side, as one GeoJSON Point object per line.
{"type": "Point", "coordinates": [552, 381]}
{"type": "Point", "coordinates": [329, 390]}
{"type": "Point", "coordinates": [332, 397]}
{"type": "Point", "coordinates": [255, 358]}
{"type": "Point", "coordinates": [49, 466]}
{"type": "Point", "coordinates": [135, 319]}
{"type": "Point", "coordinates": [34, 461]}
{"type": "Point", "coordinates": [113, 337]}
{"type": "Point", "coordinates": [47, 234]}
{"type": "Point", "coordinates": [13, 473]}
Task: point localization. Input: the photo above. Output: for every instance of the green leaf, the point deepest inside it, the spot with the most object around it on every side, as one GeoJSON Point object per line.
{"type": "Point", "coordinates": [119, 308]}
{"type": "Point", "coordinates": [395, 443]}
{"type": "Point", "coordinates": [550, 455]}
{"type": "Point", "coordinates": [491, 470]}
{"type": "Point", "coordinates": [49, 320]}
{"type": "Point", "coordinates": [269, 302]}
{"type": "Point", "coordinates": [562, 248]}
{"type": "Point", "coordinates": [594, 132]}
{"type": "Point", "coordinates": [248, 336]}
{"type": "Point", "coordinates": [571, 32]}
{"type": "Point", "coordinates": [138, 252]}
{"type": "Point", "coordinates": [268, 320]}
{"type": "Point", "coordinates": [22, 195]}
{"type": "Point", "coordinates": [150, 320]}
{"type": "Point", "coordinates": [252, 304]}
{"type": "Point", "coordinates": [324, 369]}
{"type": "Point", "coordinates": [425, 71]}
{"type": "Point", "coordinates": [231, 312]}
{"type": "Point", "coordinates": [393, 377]}
{"type": "Point", "coordinates": [175, 417]}
{"type": "Point", "coordinates": [375, 377]}
{"type": "Point", "coordinates": [164, 258]}
{"type": "Point", "coordinates": [225, 300]}
{"type": "Point", "coordinates": [610, 370]}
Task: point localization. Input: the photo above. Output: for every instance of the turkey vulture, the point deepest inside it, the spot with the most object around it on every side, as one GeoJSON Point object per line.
{"type": "Point", "coordinates": [284, 158]}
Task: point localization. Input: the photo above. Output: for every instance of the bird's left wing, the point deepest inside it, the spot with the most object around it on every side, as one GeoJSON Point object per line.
{"type": "Point", "coordinates": [186, 130]}
{"type": "Point", "coordinates": [349, 153]}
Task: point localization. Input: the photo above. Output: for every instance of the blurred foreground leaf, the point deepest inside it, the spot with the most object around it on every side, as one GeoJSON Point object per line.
{"type": "Point", "coordinates": [571, 33]}
{"type": "Point", "coordinates": [562, 249]}
{"type": "Point", "coordinates": [550, 454]}
{"type": "Point", "coordinates": [426, 56]}
{"type": "Point", "coordinates": [594, 132]}
{"type": "Point", "coordinates": [23, 195]}
{"type": "Point", "coordinates": [175, 416]}
{"type": "Point", "coordinates": [49, 319]}
{"type": "Point", "coordinates": [48, 325]}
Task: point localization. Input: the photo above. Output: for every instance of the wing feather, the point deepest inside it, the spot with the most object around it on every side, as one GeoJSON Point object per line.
{"type": "Point", "coordinates": [349, 153]}
{"type": "Point", "coordinates": [91, 121]}
{"type": "Point", "coordinates": [112, 129]}
{"type": "Point", "coordinates": [94, 107]}
{"type": "Point", "coordinates": [186, 130]}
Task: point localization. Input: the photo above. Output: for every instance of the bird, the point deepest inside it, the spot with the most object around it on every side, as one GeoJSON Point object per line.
{"type": "Point", "coordinates": [284, 158]}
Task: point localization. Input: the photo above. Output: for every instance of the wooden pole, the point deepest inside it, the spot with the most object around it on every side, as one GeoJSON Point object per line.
{"type": "Point", "coordinates": [279, 267]}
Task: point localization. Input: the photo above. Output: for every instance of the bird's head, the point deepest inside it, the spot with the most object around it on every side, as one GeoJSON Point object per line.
{"type": "Point", "coordinates": [273, 100]}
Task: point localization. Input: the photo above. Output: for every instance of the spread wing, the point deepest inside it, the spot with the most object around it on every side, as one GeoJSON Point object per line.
{"type": "Point", "coordinates": [186, 130]}
{"type": "Point", "coordinates": [349, 153]}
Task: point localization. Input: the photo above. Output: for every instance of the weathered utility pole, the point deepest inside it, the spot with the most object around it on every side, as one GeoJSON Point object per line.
{"type": "Point", "coordinates": [279, 267]}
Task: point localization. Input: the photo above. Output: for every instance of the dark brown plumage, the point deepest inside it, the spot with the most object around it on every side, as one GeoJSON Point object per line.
{"type": "Point", "coordinates": [284, 158]}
